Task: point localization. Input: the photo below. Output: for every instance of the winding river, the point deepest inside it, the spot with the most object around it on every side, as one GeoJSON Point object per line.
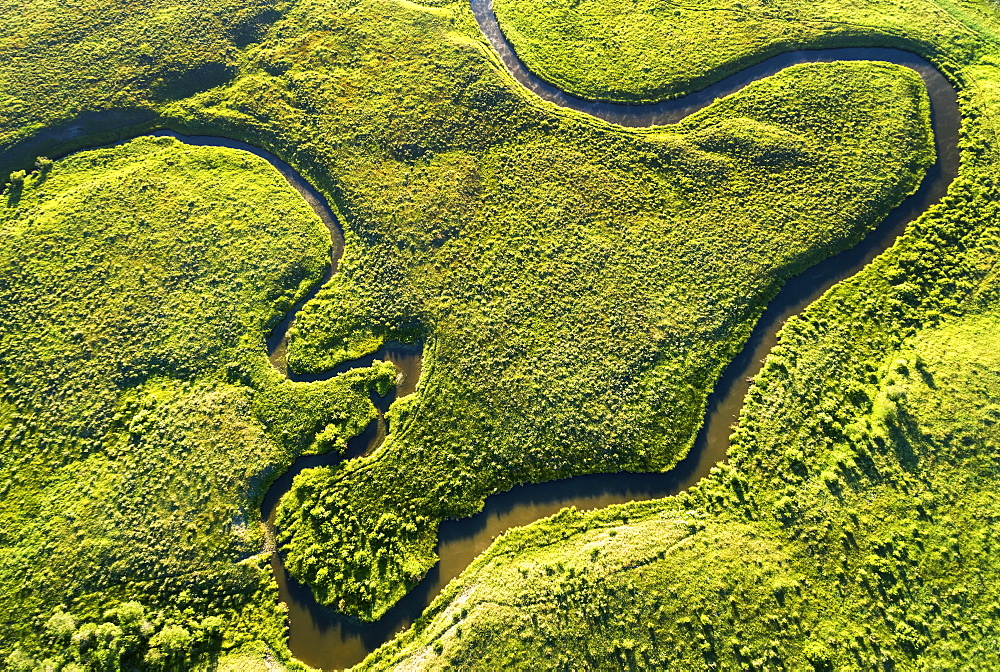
{"type": "Point", "coordinates": [327, 640]}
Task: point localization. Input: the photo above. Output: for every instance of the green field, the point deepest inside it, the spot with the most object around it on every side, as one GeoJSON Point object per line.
{"type": "Point", "coordinates": [578, 287]}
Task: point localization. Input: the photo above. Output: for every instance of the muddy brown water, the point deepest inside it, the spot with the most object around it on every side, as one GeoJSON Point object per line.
{"type": "Point", "coordinates": [324, 639]}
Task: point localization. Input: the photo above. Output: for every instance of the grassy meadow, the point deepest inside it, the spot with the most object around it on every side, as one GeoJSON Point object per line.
{"type": "Point", "coordinates": [564, 339]}
{"type": "Point", "coordinates": [63, 63]}
{"type": "Point", "coordinates": [851, 527]}
{"type": "Point", "coordinates": [578, 286]}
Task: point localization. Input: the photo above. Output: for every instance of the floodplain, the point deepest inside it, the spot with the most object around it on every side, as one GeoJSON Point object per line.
{"type": "Point", "coordinates": [576, 288]}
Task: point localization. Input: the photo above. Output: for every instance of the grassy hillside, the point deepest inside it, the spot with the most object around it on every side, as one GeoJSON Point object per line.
{"type": "Point", "coordinates": [645, 50]}
{"type": "Point", "coordinates": [139, 417]}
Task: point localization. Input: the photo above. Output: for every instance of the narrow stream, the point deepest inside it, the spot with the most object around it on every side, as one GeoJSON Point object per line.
{"type": "Point", "coordinates": [328, 640]}
{"type": "Point", "coordinates": [324, 639]}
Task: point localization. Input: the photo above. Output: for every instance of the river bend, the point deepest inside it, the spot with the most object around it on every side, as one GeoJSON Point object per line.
{"type": "Point", "coordinates": [324, 639]}
{"type": "Point", "coordinates": [327, 640]}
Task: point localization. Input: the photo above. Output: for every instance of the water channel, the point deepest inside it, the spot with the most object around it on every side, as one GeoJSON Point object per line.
{"type": "Point", "coordinates": [328, 640]}
{"type": "Point", "coordinates": [324, 639]}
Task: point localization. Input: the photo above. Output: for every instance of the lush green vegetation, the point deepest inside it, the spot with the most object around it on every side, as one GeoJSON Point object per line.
{"type": "Point", "coordinates": [139, 417]}
{"type": "Point", "coordinates": [528, 311]}
{"type": "Point", "coordinates": [854, 527]}
{"type": "Point", "coordinates": [647, 50]}
{"type": "Point", "coordinates": [580, 286]}
{"type": "Point", "coordinates": [65, 60]}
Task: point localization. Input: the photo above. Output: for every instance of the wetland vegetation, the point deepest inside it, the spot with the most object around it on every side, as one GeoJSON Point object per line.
{"type": "Point", "coordinates": [646, 50]}
{"type": "Point", "coordinates": [579, 286]}
{"type": "Point", "coordinates": [854, 513]}
{"type": "Point", "coordinates": [597, 355]}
